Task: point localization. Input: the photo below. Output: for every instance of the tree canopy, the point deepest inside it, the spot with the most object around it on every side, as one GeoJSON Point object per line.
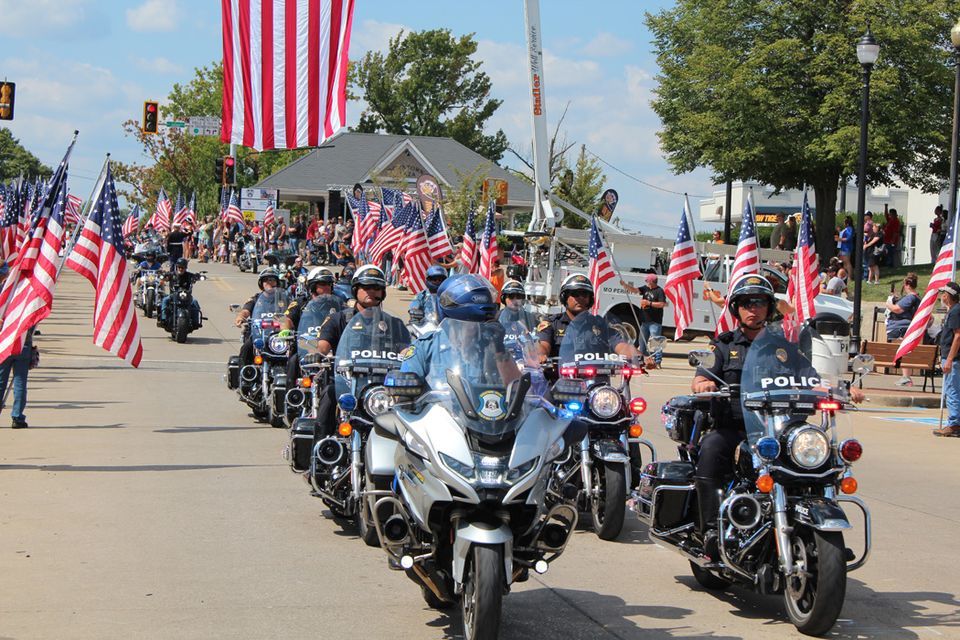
{"type": "Point", "coordinates": [15, 160]}
{"type": "Point", "coordinates": [428, 84]}
{"type": "Point", "coordinates": [770, 91]}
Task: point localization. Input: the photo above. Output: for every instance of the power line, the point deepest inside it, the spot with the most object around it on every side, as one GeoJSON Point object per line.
{"type": "Point", "coordinates": [643, 182]}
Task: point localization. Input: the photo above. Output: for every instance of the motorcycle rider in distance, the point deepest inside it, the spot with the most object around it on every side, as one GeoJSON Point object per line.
{"type": "Point", "coordinates": [179, 278]}
{"type": "Point", "coordinates": [319, 283]}
{"type": "Point", "coordinates": [435, 277]}
{"type": "Point", "coordinates": [752, 304]}
{"type": "Point", "coordinates": [269, 279]}
{"type": "Point", "coordinates": [149, 263]}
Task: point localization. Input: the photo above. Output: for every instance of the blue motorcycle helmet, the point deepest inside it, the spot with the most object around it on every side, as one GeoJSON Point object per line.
{"type": "Point", "coordinates": [467, 297]}
{"type": "Point", "coordinates": [436, 275]}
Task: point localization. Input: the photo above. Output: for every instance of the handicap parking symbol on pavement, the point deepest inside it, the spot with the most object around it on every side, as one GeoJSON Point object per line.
{"type": "Point", "coordinates": [931, 421]}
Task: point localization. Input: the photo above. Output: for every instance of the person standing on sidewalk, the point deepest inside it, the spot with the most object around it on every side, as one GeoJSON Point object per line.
{"type": "Point", "coordinates": [20, 364]}
{"type": "Point", "coordinates": [949, 354]}
{"type": "Point", "coordinates": [652, 301]}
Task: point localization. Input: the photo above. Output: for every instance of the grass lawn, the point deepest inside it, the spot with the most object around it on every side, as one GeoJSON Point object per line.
{"type": "Point", "coordinates": [888, 276]}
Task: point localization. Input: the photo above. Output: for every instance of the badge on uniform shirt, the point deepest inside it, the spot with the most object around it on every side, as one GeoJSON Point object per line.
{"type": "Point", "coordinates": [359, 325]}
{"type": "Point", "coordinates": [782, 355]}
{"type": "Point", "coordinates": [733, 354]}
{"type": "Point", "coordinates": [382, 325]}
{"type": "Point", "coordinates": [407, 353]}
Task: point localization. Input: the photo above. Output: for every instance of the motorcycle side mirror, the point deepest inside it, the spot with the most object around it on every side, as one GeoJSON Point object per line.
{"type": "Point", "coordinates": [702, 358]}
{"type": "Point", "coordinates": [656, 344]}
{"type": "Point", "coordinates": [234, 308]}
{"type": "Point", "coordinates": [863, 363]}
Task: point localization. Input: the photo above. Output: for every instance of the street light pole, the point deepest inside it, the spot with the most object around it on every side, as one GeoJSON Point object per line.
{"type": "Point", "coordinates": [867, 53]}
{"type": "Point", "coordinates": [955, 139]}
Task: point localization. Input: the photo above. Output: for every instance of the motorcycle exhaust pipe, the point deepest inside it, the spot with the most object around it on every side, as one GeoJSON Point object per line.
{"type": "Point", "coordinates": [396, 529]}
{"type": "Point", "coordinates": [296, 398]}
{"type": "Point", "coordinates": [744, 512]}
{"type": "Point", "coordinates": [554, 535]}
{"type": "Point", "coordinates": [249, 373]}
{"type": "Point", "coordinates": [329, 451]}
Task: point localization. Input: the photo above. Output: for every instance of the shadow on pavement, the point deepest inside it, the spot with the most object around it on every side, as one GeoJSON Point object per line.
{"type": "Point", "coordinates": [208, 429]}
{"type": "Point", "coordinates": [118, 425]}
{"type": "Point", "coordinates": [202, 340]}
{"type": "Point", "coordinates": [127, 468]}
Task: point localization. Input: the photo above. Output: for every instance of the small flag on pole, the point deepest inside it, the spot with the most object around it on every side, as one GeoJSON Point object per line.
{"type": "Point", "coordinates": [684, 269]}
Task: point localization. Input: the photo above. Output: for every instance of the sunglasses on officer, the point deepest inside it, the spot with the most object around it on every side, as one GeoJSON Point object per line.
{"type": "Point", "coordinates": [752, 303]}
{"type": "Point", "coordinates": [436, 279]}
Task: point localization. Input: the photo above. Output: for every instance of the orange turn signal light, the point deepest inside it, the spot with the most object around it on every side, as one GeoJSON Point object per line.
{"type": "Point", "coordinates": [306, 382]}
{"type": "Point", "coordinates": [848, 485]}
{"type": "Point", "coordinates": [765, 484]}
{"type": "Point", "coordinates": [257, 360]}
{"type": "Point", "coordinates": [345, 429]}
{"type": "Point", "coordinates": [636, 431]}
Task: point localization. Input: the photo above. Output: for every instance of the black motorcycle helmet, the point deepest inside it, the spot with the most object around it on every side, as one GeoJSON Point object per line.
{"type": "Point", "coordinates": [750, 286]}
{"type": "Point", "coordinates": [435, 277]}
{"type": "Point", "coordinates": [150, 256]}
{"type": "Point", "coordinates": [181, 263]}
{"type": "Point", "coordinates": [576, 282]}
{"type": "Point", "coordinates": [368, 274]}
{"type": "Point", "coordinates": [347, 274]}
{"type": "Point", "coordinates": [512, 289]}
{"type": "Point", "coordinates": [269, 272]}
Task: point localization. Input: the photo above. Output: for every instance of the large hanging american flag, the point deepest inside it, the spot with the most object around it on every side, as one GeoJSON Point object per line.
{"type": "Point", "coordinates": [468, 250]}
{"type": "Point", "coordinates": [747, 260]}
{"type": "Point", "coordinates": [437, 237]}
{"type": "Point", "coordinates": [601, 267]}
{"type": "Point", "coordinates": [416, 253]}
{"type": "Point", "coordinates": [233, 214]}
{"type": "Point", "coordinates": [488, 244]}
{"type": "Point", "coordinates": [284, 71]}
{"type": "Point", "coordinates": [161, 216]}
{"type": "Point", "coordinates": [74, 205]}
{"type": "Point", "coordinates": [27, 295]}
{"type": "Point", "coordinates": [804, 283]}
{"type": "Point", "coordinates": [684, 269]}
{"type": "Point", "coordinates": [98, 257]}
{"type": "Point", "coordinates": [942, 274]}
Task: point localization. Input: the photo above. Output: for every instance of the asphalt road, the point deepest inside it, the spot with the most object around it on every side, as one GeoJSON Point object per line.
{"type": "Point", "coordinates": [150, 504]}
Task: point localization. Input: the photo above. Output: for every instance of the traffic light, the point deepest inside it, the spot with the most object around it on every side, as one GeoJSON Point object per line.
{"type": "Point", "coordinates": [7, 94]}
{"type": "Point", "coordinates": [218, 171]}
{"type": "Point", "coordinates": [151, 117]}
{"type": "Point", "coordinates": [229, 170]}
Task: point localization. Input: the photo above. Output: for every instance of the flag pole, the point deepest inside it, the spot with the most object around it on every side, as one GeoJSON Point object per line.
{"type": "Point", "coordinates": [616, 267]}
{"type": "Point", "coordinates": [953, 278]}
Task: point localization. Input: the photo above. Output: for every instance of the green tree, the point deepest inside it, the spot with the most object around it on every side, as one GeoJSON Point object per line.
{"type": "Point", "coordinates": [770, 91]}
{"type": "Point", "coordinates": [16, 161]}
{"type": "Point", "coordinates": [580, 186]}
{"type": "Point", "coordinates": [428, 84]}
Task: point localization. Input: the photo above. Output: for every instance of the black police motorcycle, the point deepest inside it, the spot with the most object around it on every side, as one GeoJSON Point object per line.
{"type": "Point", "coordinates": [263, 384]}
{"type": "Point", "coordinates": [780, 517]}
{"type": "Point", "coordinates": [303, 396]}
{"type": "Point", "coordinates": [181, 318]}
{"type": "Point", "coordinates": [599, 470]}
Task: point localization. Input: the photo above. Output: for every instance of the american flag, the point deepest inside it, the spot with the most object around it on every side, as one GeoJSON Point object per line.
{"type": "Point", "coordinates": [942, 274]}
{"type": "Point", "coordinates": [601, 267]}
{"type": "Point", "coordinates": [437, 237]}
{"type": "Point", "coordinates": [233, 214]}
{"type": "Point", "coordinates": [684, 269]}
{"type": "Point", "coordinates": [284, 71]}
{"type": "Point", "coordinates": [98, 257]}
{"type": "Point", "coordinates": [132, 224]}
{"type": "Point", "coordinates": [27, 295]}
{"type": "Point", "coordinates": [392, 233]}
{"type": "Point", "coordinates": [161, 216]}
{"type": "Point", "coordinates": [181, 214]}
{"type": "Point", "coordinates": [224, 201]}
{"type": "Point", "coordinates": [74, 205]}
{"type": "Point", "coordinates": [10, 223]}
{"type": "Point", "coordinates": [416, 253]}
{"type": "Point", "coordinates": [394, 198]}
{"type": "Point", "coordinates": [746, 261]}
{"type": "Point", "coordinates": [488, 244]}
{"type": "Point", "coordinates": [192, 209]}
{"type": "Point", "coordinates": [468, 252]}
{"type": "Point", "coordinates": [269, 216]}
{"type": "Point", "coordinates": [804, 283]}
{"type": "Point", "coordinates": [366, 215]}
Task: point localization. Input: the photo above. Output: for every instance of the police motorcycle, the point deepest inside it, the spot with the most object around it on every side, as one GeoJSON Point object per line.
{"type": "Point", "coordinates": [473, 450]}
{"type": "Point", "coordinates": [781, 517]}
{"type": "Point", "coordinates": [263, 385]}
{"type": "Point", "coordinates": [248, 259]}
{"type": "Point", "coordinates": [182, 319]}
{"type": "Point", "coordinates": [601, 467]}
{"type": "Point", "coordinates": [426, 319]}
{"type": "Point", "coordinates": [520, 340]}
{"type": "Point", "coordinates": [150, 287]}
{"type": "Point", "coordinates": [303, 396]}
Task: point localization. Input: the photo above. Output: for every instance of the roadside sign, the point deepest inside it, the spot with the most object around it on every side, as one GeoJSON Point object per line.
{"type": "Point", "coordinates": [174, 124]}
{"type": "Point", "coordinates": [258, 199]}
{"type": "Point", "coordinates": [203, 126]}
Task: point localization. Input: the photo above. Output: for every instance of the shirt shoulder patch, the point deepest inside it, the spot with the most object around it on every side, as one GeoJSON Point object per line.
{"type": "Point", "coordinates": [407, 353]}
{"type": "Point", "coordinates": [543, 325]}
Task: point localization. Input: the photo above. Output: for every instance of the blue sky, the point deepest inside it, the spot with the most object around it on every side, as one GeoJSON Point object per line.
{"type": "Point", "coordinates": [89, 64]}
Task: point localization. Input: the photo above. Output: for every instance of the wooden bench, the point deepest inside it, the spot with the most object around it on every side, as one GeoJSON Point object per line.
{"type": "Point", "coordinates": [923, 357]}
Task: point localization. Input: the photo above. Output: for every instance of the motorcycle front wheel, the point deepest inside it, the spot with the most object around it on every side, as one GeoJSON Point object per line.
{"type": "Point", "coordinates": [482, 599]}
{"type": "Point", "coordinates": [814, 596]}
{"type": "Point", "coordinates": [148, 307]}
{"type": "Point", "coordinates": [608, 503]}
{"type": "Point", "coordinates": [181, 329]}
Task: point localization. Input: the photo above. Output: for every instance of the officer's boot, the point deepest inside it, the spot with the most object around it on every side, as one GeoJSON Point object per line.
{"type": "Point", "coordinates": [708, 497]}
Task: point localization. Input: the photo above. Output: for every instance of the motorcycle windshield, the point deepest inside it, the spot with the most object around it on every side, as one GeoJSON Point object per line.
{"type": "Point", "coordinates": [778, 370]}
{"type": "Point", "coordinates": [269, 308]}
{"type": "Point", "coordinates": [370, 346]}
{"type": "Point", "coordinates": [520, 336]}
{"type": "Point", "coordinates": [476, 377]}
{"type": "Point", "coordinates": [311, 319]}
{"type": "Point", "coordinates": [589, 340]}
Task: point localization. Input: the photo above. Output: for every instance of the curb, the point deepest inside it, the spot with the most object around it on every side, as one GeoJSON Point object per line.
{"type": "Point", "coordinates": [923, 402]}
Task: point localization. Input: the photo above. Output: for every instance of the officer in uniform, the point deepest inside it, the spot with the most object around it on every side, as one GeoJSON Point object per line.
{"type": "Point", "coordinates": [435, 277]}
{"type": "Point", "coordinates": [269, 279]}
{"type": "Point", "coordinates": [512, 297]}
{"type": "Point", "coordinates": [319, 283]}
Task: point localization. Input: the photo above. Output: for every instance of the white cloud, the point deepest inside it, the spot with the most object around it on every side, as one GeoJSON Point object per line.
{"type": "Point", "coordinates": [153, 15]}
{"type": "Point", "coordinates": [373, 35]}
{"type": "Point", "coordinates": [158, 65]}
{"type": "Point", "coordinates": [60, 19]}
{"type": "Point", "coordinates": [607, 45]}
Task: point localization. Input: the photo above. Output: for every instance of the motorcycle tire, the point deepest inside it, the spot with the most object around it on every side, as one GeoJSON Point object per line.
{"type": "Point", "coordinates": [814, 602]}
{"type": "Point", "coordinates": [181, 329]}
{"type": "Point", "coordinates": [368, 532]}
{"type": "Point", "coordinates": [148, 307]}
{"type": "Point", "coordinates": [482, 599]}
{"type": "Point", "coordinates": [708, 580]}
{"type": "Point", "coordinates": [260, 414]}
{"type": "Point", "coordinates": [607, 508]}
{"type": "Point", "coordinates": [243, 267]}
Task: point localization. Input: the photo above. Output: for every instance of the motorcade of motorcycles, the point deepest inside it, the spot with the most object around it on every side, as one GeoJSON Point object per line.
{"type": "Point", "coordinates": [472, 453]}
{"type": "Point", "coordinates": [150, 287]}
{"type": "Point", "coordinates": [781, 517]}
{"type": "Point", "coordinates": [601, 467]}
{"type": "Point", "coordinates": [181, 318]}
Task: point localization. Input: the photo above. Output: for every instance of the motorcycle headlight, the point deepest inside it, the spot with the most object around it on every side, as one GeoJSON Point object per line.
{"type": "Point", "coordinates": [515, 473]}
{"type": "Point", "coordinates": [809, 447]}
{"type": "Point", "coordinates": [277, 344]}
{"type": "Point", "coordinates": [183, 295]}
{"type": "Point", "coordinates": [461, 469]}
{"type": "Point", "coordinates": [605, 402]}
{"type": "Point", "coordinates": [377, 402]}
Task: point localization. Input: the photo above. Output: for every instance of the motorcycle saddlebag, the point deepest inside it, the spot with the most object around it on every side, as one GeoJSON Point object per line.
{"type": "Point", "coordinates": [301, 443]}
{"type": "Point", "coordinates": [233, 372]}
{"type": "Point", "coordinates": [671, 505]}
{"type": "Point", "coordinates": [677, 416]}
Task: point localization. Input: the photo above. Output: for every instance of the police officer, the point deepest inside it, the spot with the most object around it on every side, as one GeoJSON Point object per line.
{"type": "Point", "coordinates": [513, 296]}
{"type": "Point", "coordinates": [180, 279]}
{"type": "Point", "coordinates": [576, 297]}
{"type": "Point", "coordinates": [319, 283]}
{"type": "Point", "coordinates": [435, 277]}
{"type": "Point", "coordinates": [269, 279]}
